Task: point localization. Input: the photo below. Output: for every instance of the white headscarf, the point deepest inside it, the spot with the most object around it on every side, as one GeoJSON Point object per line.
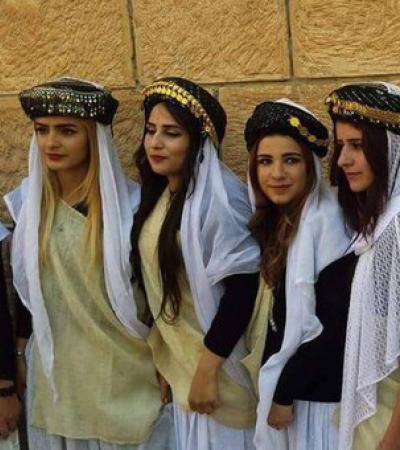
{"type": "Point", "coordinates": [120, 199]}
{"type": "Point", "coordinates": [373, 328]}
{"type": "Point", "coordinates": [320, 240]}
{"type": "Point", "coordinates": [3, 232]}
{"type": "Point", "coordinates": [216, 243]}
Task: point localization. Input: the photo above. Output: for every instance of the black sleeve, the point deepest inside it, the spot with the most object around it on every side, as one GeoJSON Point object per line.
{"type": "Point", "coordinates": [318, 365]}
{"type": "Point", "coordinates": [7, 348]}
{"type": "Point", "coordinates": [23, 320]}
{"type": "Point", "coordinates": [234, 313]}
{"type": "Point", "coordinates": [310, 365]}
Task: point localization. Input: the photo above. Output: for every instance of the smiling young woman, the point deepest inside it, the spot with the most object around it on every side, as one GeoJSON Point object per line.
{"type": "Point", "coordinates": [301, 233]}
{"type": "Point", "coordinates": [91, 378]}
{"type": "Point", "coordinates": [366, 170]}
{"type": "Point", "coordinates": [197, 265]}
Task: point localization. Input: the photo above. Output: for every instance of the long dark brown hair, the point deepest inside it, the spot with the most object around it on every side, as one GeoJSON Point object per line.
{"type": "Point", "coordinates": [153, 185]}
{"type": "Point", "coordinates": [362, 209]}
{"type": "Point", "coordinates": [275, 227]}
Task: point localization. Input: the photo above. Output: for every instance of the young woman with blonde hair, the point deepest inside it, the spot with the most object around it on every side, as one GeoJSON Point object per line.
{"type": "Point", "coordinates": [91, 380]}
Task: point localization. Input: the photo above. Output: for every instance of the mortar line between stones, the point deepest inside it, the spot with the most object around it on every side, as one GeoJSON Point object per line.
{"type": "Point", "coordinates": [290, 43]}
{"type": "Point", "coordinates": [133, 42]}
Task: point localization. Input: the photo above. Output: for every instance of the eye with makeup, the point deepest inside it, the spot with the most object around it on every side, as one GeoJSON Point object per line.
{"type": "Point", "coordinates": [292, 159]}
{"type": "Point", "coordinates": [41, 130]}
{"type": "Point", "coordinates": [68, 131]}
{"type": "Point", "coordinates": [168, 131]}
{"type": "Point", "coordinates": [264, 160]}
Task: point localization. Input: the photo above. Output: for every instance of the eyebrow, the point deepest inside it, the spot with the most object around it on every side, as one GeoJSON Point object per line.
{"type": "Point", "coordinates": [63, 125]}
{"type": "Point", "coordinates": [350, 140]}
{"type": "Point", "coordinates": [283, 154]}
{"type": "Point", "coordinates": [166, 125]}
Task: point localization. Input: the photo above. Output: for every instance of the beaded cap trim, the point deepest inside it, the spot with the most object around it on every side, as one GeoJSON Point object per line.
{"type": "Point", "coordinates": [349, 108]}
{"type": "Point", "coordinates": [186, 99]}
{"type": "Point", "coordinates": [295, 122]}
{"type": "Point", "coordinates": [40, 101]}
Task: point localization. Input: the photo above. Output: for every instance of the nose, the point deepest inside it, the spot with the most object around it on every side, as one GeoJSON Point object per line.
{"type": "Point", "coordinates": [52, 140]}
{"type": "Point", "coordinates": [278, 171]}
{"type": "Point", "coordinates": [155, 140]}
{"type": "Point", "coordinates": [345, 157]}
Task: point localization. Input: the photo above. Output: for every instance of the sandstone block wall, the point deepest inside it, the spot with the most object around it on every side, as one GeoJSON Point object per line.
{"type": "Point", "coordinates": [245, 51]}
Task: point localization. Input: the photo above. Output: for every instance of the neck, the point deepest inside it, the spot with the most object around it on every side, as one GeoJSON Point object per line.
{"type": "Point", "coordinates": [69, 181]}
{"type": "Point", "coordinates": [174, 182]}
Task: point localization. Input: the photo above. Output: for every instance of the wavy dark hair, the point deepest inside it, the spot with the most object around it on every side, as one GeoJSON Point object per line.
{"type": "Point", "coordinates": [274, 227]}
{"type": "Point", "coordinates": [153, 185]}
{"type": "Point", "coordinates": [362, 209]}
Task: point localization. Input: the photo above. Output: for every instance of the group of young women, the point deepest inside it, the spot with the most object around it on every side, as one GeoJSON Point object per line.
{"type": "Point", "coordinates": [190, 312]}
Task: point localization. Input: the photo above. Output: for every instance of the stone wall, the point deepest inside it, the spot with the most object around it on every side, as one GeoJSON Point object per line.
{"type": "Point", "coordinates": [245, 51]}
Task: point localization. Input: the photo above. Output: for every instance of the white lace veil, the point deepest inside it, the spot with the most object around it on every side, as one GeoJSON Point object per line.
{"type": "Point", "coordinates": [120, 199]}
{"type": "Point", "coordinates": [373, 329]}
{"type": "Point", "coordinates": [320, 240]}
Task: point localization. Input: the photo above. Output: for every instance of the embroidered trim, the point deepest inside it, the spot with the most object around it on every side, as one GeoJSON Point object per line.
{"type": "Point", "coordinates": [185, 98]}
{"type": "Point", "coordinates": [295, 122]}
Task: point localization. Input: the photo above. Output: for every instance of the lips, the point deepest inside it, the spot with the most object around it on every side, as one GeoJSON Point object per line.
{"type": "Point", "coordinates": [54, 156]}
{"type": "Point", "coordinates": [157, 158]}
{"type": "Point", "coordinates": [352, 175]}
{"type": "Point", "coordinates": [281, 187]}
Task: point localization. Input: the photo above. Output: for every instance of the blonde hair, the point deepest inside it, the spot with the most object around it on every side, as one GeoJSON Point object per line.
{"type": "Point", "coordinates": [88, 194]}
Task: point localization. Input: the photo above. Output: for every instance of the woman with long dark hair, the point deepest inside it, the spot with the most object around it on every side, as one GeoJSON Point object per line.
{"type": "Point", "coordinates": [300, 230]}
{"type": "Point", "coordinates": [91, 378]}
{"type": "Point", "coordinates": [196, 262]}
{"type": "Point", "coordinates": [365, 168]}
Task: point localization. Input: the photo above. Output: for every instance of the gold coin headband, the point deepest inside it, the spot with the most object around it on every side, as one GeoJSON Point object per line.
{"type": "Point", "coordinates": [185, 98]}
{"type": "Point", "coordinates": [338, 106]}
{"type": "Point", "coordinates": [295, 122]}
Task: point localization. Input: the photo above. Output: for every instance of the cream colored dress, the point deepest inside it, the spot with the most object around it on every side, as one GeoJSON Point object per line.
{"type": "Point", "coordinates": [104, 377]}
{"type": "Point", "coordinates": [177, 348]}
{"type": "Point", "coordinates": [370, 432]}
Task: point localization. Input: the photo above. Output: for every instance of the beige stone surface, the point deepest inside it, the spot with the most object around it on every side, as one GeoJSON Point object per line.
{"type": "Point", "coordinates": [128, 128]}
{"type": "Point", "coordinates": [240, 102]}
{"type": "Point", "coordinates": [15, 133]}
{"type": "Point", "coordinates": [41, 39]}
{"type": "Point", "coordinates": [345, 38]}
{"type": "Point", "coordinates": [211, 41]}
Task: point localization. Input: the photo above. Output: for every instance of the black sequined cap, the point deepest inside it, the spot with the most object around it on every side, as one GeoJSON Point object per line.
{"type": "Point", "coordinates": [370, 103]}
{"type": "Point", "coordinates": [193, 97]}
{"type": "Point", "coordinates": [281, 118]}
{"type": "Point", "coordinates": [69, 97]}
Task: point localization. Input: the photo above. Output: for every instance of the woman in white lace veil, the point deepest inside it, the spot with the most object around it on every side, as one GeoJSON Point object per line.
{"type": "Point", "coordinates": [300, 229]}
{"type": "Point", "coordinates": [197, 263]}
{"type": "Point", "coordinates": [91, 378]}
{"type": "Point", "coordinates": [366, 169]}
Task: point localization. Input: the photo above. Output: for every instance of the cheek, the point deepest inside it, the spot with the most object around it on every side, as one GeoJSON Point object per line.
{"type": "Point", "coordinates": [299, 176]}
{"type": "Point", "coordinates": [81, 147]}
{"type": "Point", "coordinates": [262, 177]}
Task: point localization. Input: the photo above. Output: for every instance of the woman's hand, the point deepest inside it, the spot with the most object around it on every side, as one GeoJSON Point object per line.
{"type": "Point", "coordinates": [204, 397]}
{"type": "Point", "coordinates": [165, 389]}
{"type": "Point", "coordinates": [280, 416]}
{"type": "Point", "coordinates": [10, 410]}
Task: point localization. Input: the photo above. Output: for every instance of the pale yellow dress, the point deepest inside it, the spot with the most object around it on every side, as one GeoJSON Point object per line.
{"type": "Point", "coordinates": [104, 377]}
{"type": "Point", "coordinates": [369, 433]}
{"type": "Point", "coordinates": [177, 348]}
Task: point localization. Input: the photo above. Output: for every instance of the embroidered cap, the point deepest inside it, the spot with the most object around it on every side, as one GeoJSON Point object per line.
{"type": "Point", "coordinates": [192, 97]}
{"type": "Point", "coordinates": [69, 97]}
{"type": "Point", "coordinates": [286, 119]}
{"type": "Point", "coordinates": [370, 103]}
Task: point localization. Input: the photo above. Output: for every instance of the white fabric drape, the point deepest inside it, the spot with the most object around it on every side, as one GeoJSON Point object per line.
{"type": "Point", "coordinates": [216, 243]}
{"type": "Point", "coordinates": [120, 199]}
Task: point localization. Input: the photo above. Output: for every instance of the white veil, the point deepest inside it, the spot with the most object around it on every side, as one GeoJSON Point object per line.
{"type": "Point", "coordinates": [373, 329]}
{"type": "Point", "coordinates": [120, 199]}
